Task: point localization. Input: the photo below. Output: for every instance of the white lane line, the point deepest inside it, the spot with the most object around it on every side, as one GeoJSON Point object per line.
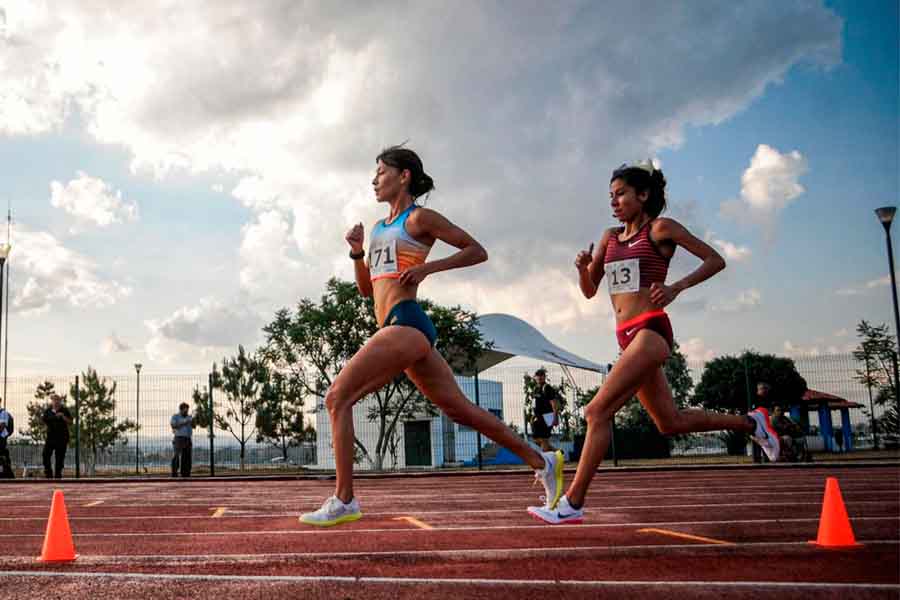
{"type": "Point", "coordinates": [758, 585]}
{"type": "Point", "coordinates": [603, 510]}
{"type": "Point", "coordinates": [443, 498]}
{"type": "Point", "coordinates": [354, 531]}
{"type": "Point", "coordinates": [459, 554]}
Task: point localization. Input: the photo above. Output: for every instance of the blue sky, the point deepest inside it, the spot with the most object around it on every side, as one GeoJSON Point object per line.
{"type": "Point", "coordinates": [245, 156]}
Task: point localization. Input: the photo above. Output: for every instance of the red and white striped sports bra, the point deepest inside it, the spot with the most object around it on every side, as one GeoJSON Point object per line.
{"type": "Point", "coordinates": [634, 264]}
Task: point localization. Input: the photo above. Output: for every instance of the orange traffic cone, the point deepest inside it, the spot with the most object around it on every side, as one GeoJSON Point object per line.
{"type": "Point", "coordinates": [58, 546]}
{"type": "Point", "coordinates": [834, 524]}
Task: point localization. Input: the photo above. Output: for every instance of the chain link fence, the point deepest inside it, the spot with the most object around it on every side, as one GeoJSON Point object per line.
{"type": "Point", "coordinates": [422, 438]}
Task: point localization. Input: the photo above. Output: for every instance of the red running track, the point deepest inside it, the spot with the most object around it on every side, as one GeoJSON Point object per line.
{"type": "Point", "coordinates": [686, 534]}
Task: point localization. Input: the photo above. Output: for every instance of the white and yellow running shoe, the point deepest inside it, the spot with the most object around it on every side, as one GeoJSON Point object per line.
{"type": "Point", "coordinates": [563, 514]}
{"type": "Point", "coordinates": [551, 477]}
{"type": "Point", "coordinates": [765, 434]}
{"type": "Point", "coordinates": [333, 512]}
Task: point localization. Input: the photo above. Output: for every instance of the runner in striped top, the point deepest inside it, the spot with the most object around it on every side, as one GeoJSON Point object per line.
{"type": "Point", "coordinates": [635, 260]}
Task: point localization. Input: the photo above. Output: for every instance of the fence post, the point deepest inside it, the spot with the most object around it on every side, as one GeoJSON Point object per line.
{"type": "Point", "coordinates": [871, 407]}
{"type": "Point", "coordinates": [77, 430]}
{"type": "Point", "coordinates": [612, 437]}
{"type": "Point", "coordinates": [212, 426]}
{"type": "Point", "coordinates": [478, 433]}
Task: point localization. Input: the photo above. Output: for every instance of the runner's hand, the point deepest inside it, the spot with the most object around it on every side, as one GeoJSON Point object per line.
{"type": "Point", "coordinates": [414, 275]}
{"type": "Point", "coordinates": [661, 294]}
{"type": "Point", "coordinates": [584, 258]}
{"type": "Point", "coordinates": [355, 237]}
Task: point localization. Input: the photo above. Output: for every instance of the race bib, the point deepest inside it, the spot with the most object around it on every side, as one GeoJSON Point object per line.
{"type": "Point", "coordinates": [383, 258]}
{"type": "Point", "coordinates": [623, 276]}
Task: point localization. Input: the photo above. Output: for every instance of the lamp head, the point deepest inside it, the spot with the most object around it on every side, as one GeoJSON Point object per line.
{"type": "Point", "coordinates": [886, 215]}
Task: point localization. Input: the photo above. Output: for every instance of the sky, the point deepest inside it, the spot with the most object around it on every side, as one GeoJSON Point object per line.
{"type": "Point", "coordinates": [177, 171]}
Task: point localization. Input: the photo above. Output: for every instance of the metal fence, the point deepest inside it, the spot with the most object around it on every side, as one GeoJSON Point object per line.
{"type": "Point", "coordinates": [423, 439]}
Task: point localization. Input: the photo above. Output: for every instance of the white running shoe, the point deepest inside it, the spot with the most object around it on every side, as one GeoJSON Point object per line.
{"type": "Point", "coordinates": [551, 477]}
{"type": "Point", "coordinates": [764, 435]}
{"type": "Point", "coordinates": [333, 512]}
{"type": "Point", "coordinates": [563, 513]}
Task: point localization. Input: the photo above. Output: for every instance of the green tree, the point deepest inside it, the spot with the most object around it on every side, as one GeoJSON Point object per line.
{"type": "Point", "coordinates": [37, 429]}
{"type": "Point", "coordinates": [728, 384]}
{"type": "Point", "coordinates": [311, 346]}
{"type": "Point", "coordinates": [100, 430]}
{"type": "Point", "coordinates": [241, 381]}
{"type": "Point", "coordinates": [279, 416]}
{"type": "Point", "coordinates": [876, 351]}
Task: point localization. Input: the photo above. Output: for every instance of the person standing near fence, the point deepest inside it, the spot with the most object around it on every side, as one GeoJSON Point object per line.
{"type": "Point", "coordinates": [6, 471]}
{"type": "Point", "coordinates": [57, 418]}
{"type": "Point", "coordinates": [183, 429]}
{"type": "Point", "coordinates": [546, 411]}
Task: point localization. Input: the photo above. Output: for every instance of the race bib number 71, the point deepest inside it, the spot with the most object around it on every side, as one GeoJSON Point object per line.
{"type": "Point", "coordinates": [623, 276]}
{"type": "Point", "coordinates": [383, 259]}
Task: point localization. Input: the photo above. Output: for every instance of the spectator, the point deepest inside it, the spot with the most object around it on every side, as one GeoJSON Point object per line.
{"type": "Point", "coordinates": [546, 411]}
{"type": "Point", "coordinates": [6, 471]}
{"type": "Point", "coordinates": [793, 442]}
{"type": "Point", "coordinates": [838, 441]}
{"type": "Point", "coordinates": [57, 418]}
{"type": "Point", "coordinates": [182, 427]}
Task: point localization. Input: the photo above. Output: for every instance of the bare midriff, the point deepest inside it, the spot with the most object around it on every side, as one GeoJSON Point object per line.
{"type": "Point", "coordinates": [387, 293]}
{"type": "Point", "coordinates": [629, 306]}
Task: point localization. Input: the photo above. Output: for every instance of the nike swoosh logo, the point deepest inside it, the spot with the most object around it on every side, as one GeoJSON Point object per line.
{"type": "Point", "coordinates": [562, 516]}
{"type": "Point", "coordinates": [632, 244]}
{"type": "Point", "coordinates": [629, 331]}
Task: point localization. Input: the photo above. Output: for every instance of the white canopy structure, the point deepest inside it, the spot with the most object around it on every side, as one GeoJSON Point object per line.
{"type": "Point", "coordinates": [512, 336]}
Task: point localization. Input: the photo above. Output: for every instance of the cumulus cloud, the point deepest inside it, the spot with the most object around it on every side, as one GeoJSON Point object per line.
{"type": "Point", "coordinates": [732, 252]}
{"type": "Point", "coordinates": [91, 200]}
{"type": "Point", "coordinates": [47, 273]}
{"type": "Point", "coordinates": [768, 186]}
{"type": "Point", "coordinates": [813, 350]}
{"type": "Point", "coordinates": [745, 300]}
{"type": "Point", "coordinates": [864, 288]}
{"type": "Point", "coordinates": [113, 344]}
{"type": "Point", "coordinates": [515, 112]}
{"type": "Point", "coordinates": [695, 350]}
{"type": "Point", "coordinates": [205, 331]}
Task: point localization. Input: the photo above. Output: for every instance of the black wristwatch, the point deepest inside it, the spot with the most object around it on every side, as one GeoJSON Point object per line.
{"type": "Point", "coordinates": [362, 254]}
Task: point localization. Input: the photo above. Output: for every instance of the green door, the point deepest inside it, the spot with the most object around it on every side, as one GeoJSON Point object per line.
{"type": "Point", "coordinates": [417, 443]}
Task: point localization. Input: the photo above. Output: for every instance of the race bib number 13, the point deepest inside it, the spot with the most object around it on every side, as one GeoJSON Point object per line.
{"type": "Point", "coordinates": [623, 276]}
{"type": "Point", "coordinates": [383, 259]}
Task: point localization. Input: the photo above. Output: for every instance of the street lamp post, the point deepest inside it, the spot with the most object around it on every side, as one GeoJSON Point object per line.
{"type": "Point", "coordinates": [886, 216]}
{"type": "Point", "coordinates": [4, 254]}
{"type": "Point", "coordinates": [137, 418]}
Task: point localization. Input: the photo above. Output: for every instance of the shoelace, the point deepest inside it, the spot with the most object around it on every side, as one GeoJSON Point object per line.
{"type": "Point", "coordinates": [330, 505]}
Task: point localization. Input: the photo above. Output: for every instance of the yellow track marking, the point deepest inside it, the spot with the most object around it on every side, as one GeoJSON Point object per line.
{"type": "Point", "coordinates": [686, 536]}
{"type": "Point", "coordinates": [94, 503]}
{"type": "Point", "coordinates": [414, 521]}
{"type": "Point", "coordinates": [219, 512]}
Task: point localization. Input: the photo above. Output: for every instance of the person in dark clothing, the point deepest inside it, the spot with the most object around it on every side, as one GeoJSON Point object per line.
{"type": "Point", "coordinates": [182, 427]}
{"type": "Point", "coordinates": [57, 418]}
{"type": "Point", "coordinates": [546, 411]}
{"type": "Point", "coordinates": [6, 471]}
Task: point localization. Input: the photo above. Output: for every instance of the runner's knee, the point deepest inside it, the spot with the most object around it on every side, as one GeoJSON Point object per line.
{"type": "Point", "coordinates": [336, 400]}
{"type": "Point", "coordinates": [596, 415]}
